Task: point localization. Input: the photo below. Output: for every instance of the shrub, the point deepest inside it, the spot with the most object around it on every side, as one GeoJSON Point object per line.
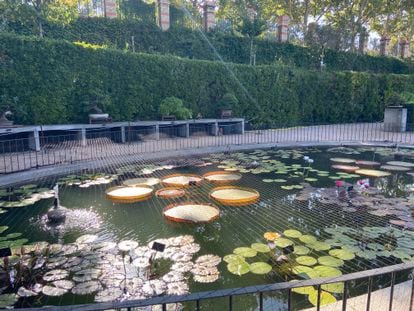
{"type": "Point", "coordinates": [173, 106]}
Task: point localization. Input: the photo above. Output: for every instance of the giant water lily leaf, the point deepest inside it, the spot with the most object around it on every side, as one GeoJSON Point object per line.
{"type": "Point", "coordinates": [305, 272]}
{"type": "Point", "coordinates": [319, 246]}
{"type": "Point", "coordinates": [7, 300]}
{"type": "Point", "coordinates": [325, 298]}
{"type": "Point", "coordinates": [290, 233]}
{"type": "Point", "coordinates": [260, 247]}
{"type": "Point", "coordinates": [260, 268]}
{"type": "Point", "coordinates": [401, 163]}
{"type": "Point", "coordinates": [307, 239]}
{"type": "Point", "coordinates": [233, 258]}
{"type": "Point", "coordinates": [283, 242]}
{"type": "Point", "coordinates": [301, 250]}
{"type": "Point", "coordinates": [337, 288]}
{"type": "Point", "coordinates": [306, 260]}
{"type": "Point", "coordinates": [325, 271]}
{"type": "Point", "coordinates": [305, 290]}
{"type": "Point", "coordinates": [372, 173]}
{"type": "Point", "coordinates": [238, 268]}
{"type": "Point", "coordinates": [330, 261]}
{"type": "Point", "coordinates": [344, 254]}
{"type": "Point", "coordinates": [245, 251]}
{"type": "Point", "coordinates": [343, 160]}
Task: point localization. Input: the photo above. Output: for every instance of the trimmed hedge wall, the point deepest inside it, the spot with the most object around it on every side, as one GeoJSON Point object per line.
{"type": "Point", "coordinates": [180, 41]}
{"type": "Point", "coordinates": [53, 81]}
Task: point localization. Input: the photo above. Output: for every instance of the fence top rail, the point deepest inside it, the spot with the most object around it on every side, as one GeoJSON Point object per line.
{"type": "Point", "coordinates": [66, 127]}
{"type": "Point", "coordinates": [231, 291]}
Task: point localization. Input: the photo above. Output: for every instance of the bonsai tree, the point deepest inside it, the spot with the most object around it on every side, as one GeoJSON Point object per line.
{"type": "Point", "coordinates": [173, 106]}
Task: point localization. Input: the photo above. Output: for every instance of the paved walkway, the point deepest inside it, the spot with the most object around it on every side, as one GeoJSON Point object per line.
{"type": "Point", "coordinates": [380, 300]}
{"type": "Point", "coordinates": [97, 149]}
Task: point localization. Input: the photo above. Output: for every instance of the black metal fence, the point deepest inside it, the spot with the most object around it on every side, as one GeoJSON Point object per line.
{"type": "Point", "coordinates": [387, 300]}
{"type": "Point", "coordinates": [24, 152]}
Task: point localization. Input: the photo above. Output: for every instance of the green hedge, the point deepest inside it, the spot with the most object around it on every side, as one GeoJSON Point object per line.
{"type": "Point", "coordinates": [54, 79]}
{"type": "Point", "coordinates": [192, 44]}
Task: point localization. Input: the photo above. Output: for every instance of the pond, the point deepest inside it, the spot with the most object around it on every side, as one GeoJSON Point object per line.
{"type": "Point", "coordinates": [282, 214]}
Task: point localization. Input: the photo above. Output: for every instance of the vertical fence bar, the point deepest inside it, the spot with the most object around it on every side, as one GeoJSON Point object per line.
{"type": "Point", "coordinates": [392, 290]}
{"type": "Point", "coordinates": [198, 304]}
{"type": "Point", "coordinates": [230, 303]}
{"type": "Point", "coordinates": [261, 301]}
{"type": "Point", "coordinates": [318, 300]}
{"type": "Point", "coordinates": [370, 281]}
{"type": "Point", "coordinates": [289, 299]}
{"type": "Point", "coordinates": [345, 296]}
{"type": "Point", "coordinates": [412, 291]}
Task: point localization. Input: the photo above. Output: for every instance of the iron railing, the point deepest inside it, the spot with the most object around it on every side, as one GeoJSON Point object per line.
{"type": "Point", "coordinates": [18, 154]}
{"type": "Point", "coordinates": [259, 291]}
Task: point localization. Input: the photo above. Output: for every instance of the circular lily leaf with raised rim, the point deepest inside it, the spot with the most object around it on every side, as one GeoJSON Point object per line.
{"type": "Point", "coordinates": [305, 272]}
{"type": "Point", "coordinates": [305, 290]}
{"type": "Point", "coordinates": [319, 246]}
{"type": "Point", "coordinates": [233, 258]}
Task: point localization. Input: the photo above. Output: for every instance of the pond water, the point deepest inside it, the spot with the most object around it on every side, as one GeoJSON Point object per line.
{"type": "Point", "coordinates": [343, 219]}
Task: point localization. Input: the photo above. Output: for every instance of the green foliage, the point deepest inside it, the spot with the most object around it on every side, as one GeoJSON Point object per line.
{"type": "Point", "coordinates": [184, 42]}
{"type": "Point", "coordinates": [229, 101]}
{"type": "Point", "coordinates": [173, 106]}
{"type": "Point", "coordinates": [54, 81]}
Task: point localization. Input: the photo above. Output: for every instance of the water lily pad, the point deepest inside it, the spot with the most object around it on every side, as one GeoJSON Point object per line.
{"type": "Point", "coordinates": [305, 272]}
{"type": "Point", "coordinates": [260, 268]}
{"type": "Point", "coordinates": [3, 228]}
{"type": "Point", "coordinates": [301, 250]}
{"type": "Point", "coordinates": [325, 271]}
{"type": "Point", "coordinates": [307, 239]}
{"type": "Point", "coordinates": [306, 260]}
{"type": "Point", "coordinates": [337, 288]}
{"type": "Point", "coordinates": [342, 254]}
{"type": "Point", "coordinates": [372, 173]}
{"type": "Point", "coordinates": [260, 247]}
{"type": "Point", "coordinates": [305, 290]}
{"type": "Point", "coordinates": [366, 254]}
{"type": "Point", "coordinates": [343, 160]}
{"type": "Point", "coordinates": [319, 246]}
{"type": "Point", "coordinates": [325, 298]}
{"type": "Point", "coordinates": [292, 233]}
{"type": "Point", "coordinates": [279, 180]}
{"type": "Point", "coordinates": [330, 261]}
{"type": "Point", "coordinates": [401, 163]}
{"type": "Point", "coordinates": [233, 258]}
{"type": "Point", "coordinates": [283, 242]}
{"type": "Point", "coordinates": [245, 252]}
{"type": "Point", "coordinates": [238, 268]}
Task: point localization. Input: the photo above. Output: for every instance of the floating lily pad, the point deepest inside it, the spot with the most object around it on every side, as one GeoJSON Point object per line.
{"type": "Point", "coordinates": [260, 247]}
{"type": "Point", "coordinates": [394, 168]}
{"type": "Point", "coordinates": [330, 261]}
{"type": "Point", "coordinates": [301, 250]}
{"type": "Point", "coordinates": [342, 160]}
{"type": "Point", "coordinates": [3, 228]}
{"type": "Point", "coordinates": [283, 242]}
{"type": "Point", "coordinates": [311, 179]}
{"type": "Point", "coordinates": [319, 246]}
{"type": "Point", "coordinates": [337, 288]}
{"type": "Point", "coordinates": [233, 258]}
{"type": "Point", "coordinates": [306, 260]}
{"type": "Point", "coordinates": [305, 272]}
{"type": "Point", "coordinates": [372, 173]}
{"type": "Point", "coordinates": [292, 233]}
{"type": "Point", "coordinates": [401, 163]}
{"type": "Point", "coordinates": [325, 298]}
{"type": "Point", "coordinates": [307, 239]}
{"type": "Point", "coordinates": [325, 271]}
{"type": "Point", "coordinates": [279, 180]}
{"type": "Point", "coordinates": [305, 290]}
{"type": "Point", "coordinates": [260, 268]}
{"type": "Point", "coordinates": [238, 268]}
{"type": "Point", "coordinates": [245, 252]}
{"type": "Point", "coordinates": [342, 254]}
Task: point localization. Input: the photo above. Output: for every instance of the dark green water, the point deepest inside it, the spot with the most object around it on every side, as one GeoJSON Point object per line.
{"type": "Point", "coordinates": [238, 226]}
